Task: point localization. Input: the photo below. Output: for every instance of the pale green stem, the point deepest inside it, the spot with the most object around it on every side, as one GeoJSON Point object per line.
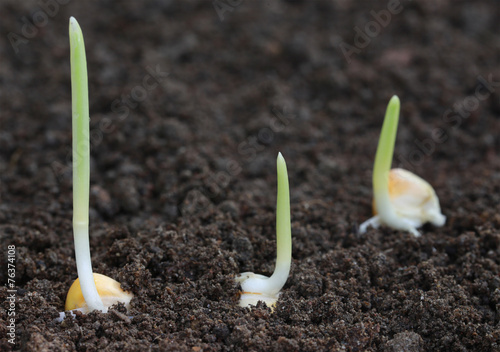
{"type": "Point", "coordinates": [81, 166]}
{"type": "Point", "coordinates": [283, 230]}
{"type": "Point", "coordinates": [383, 160]}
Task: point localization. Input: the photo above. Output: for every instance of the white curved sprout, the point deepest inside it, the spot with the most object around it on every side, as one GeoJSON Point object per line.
{"type": "Point", "coordinates": [257, 287]}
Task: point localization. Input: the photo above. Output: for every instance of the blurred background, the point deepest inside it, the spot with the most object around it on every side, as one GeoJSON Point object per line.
{"type": "Point", "coordinates": [222, 86]}
{"type": "Point", "coordinates": [190, 103]}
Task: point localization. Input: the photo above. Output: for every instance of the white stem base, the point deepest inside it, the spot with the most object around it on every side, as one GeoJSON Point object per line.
{"type": "Point", "coordinates": [257, 288]}
{"type": "Point", "coordinates": [84, 268]}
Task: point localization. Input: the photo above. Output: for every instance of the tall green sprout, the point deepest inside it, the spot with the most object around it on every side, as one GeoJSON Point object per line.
{"type": "Point", "coordinates": [257, 287]}
{"type": "Point", "coordinates": [283, 229]}
{"type": "Point", "coordinates": [81, 166]}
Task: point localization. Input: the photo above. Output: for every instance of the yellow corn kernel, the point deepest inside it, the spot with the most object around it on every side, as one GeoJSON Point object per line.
{"type": "Point", "coordinates": [109, 290]}
{"type": "Point", "coordinates": [414, 198]}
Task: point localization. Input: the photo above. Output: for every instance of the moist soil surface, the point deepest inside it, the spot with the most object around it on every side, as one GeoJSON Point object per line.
{"type": "Point", "coordinates": [190, 103]}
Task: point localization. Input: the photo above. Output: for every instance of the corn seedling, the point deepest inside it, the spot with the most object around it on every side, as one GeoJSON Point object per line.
{"type": "Point", "coordinates": [401, 199]}
{"type": "Point", "coordinates": [90, 291]}
{"type": "Point", "coordinates": [257, 287]}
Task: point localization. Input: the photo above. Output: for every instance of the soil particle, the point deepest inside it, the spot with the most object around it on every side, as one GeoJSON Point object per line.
{"type": "Point", "coordinates": [405, 342]}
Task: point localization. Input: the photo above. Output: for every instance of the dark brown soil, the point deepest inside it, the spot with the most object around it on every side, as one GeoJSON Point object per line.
{"type": "Point", "coordinates": [183, 172]}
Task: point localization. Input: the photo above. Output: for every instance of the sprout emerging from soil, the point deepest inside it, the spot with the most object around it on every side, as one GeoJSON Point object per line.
{"type": "Point", "coordinates": [402, 200]}
{"type": "Point", "coordinates": [257, 287]}
{"type": "Point", "coordinates": [90, 291]}
{"type": "Point", "coordinates": [109, 291]}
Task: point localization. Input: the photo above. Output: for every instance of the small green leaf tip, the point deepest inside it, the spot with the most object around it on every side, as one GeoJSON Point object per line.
{"type": "Point", "coordinates": [75, 32]}
{"type": "Point", "coordinates": [280, 157]}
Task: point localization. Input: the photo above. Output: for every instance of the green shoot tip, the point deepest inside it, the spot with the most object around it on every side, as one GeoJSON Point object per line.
{"type": "Point", "coordinates": [73, 23]}
{"type": "Point", "coordinates": [394, 106]}
{"type": "Point", "coordinates": [280, 158]}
